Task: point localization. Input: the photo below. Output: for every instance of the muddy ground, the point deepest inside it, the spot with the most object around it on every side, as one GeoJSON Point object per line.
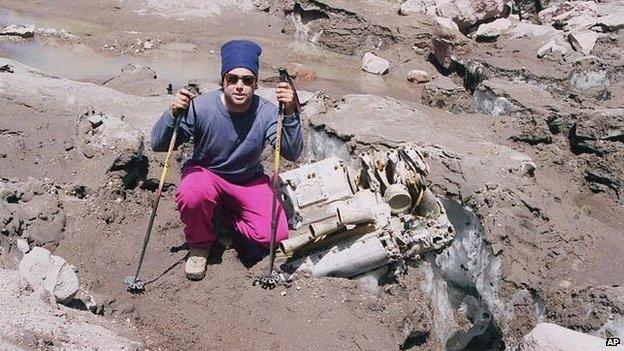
{"type": "Point", "coordinates": [542, 181]}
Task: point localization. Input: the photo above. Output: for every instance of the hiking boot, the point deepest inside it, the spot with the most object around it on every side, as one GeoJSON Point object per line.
{"type": "Point", "coordinates": [195, 267]}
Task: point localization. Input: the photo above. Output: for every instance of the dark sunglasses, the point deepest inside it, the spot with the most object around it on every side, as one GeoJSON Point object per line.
{"type": "Point", "coordinates": [232, 79]}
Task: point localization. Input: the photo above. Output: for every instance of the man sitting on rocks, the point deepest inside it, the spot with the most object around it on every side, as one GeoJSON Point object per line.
{"type": "Point", "coordinates": [229, 127]}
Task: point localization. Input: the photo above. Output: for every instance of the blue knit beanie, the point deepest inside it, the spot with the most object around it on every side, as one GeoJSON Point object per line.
{"type": "Point", "coordinates": [240, 53]}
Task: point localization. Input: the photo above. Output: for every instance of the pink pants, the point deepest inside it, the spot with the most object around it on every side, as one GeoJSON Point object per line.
{"type": "Point", "coordinates": [247, 207]}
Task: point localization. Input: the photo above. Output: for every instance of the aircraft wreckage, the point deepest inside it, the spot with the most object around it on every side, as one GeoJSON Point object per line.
{"type": "Point", "coordinates": [347, 220]}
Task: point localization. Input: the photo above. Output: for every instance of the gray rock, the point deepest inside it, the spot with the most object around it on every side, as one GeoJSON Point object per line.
{"type": "Point", "coordinates": [22, 245]}
{"type": "Point", "coordinates": [53, 273]}
{"type": "Point", "coordinates": [554, 48]}
{"type": "Point", "coordinates": [19, 30]}
{"type": "Point", "coordinates": [551, 337]}
{"type": "Point", "coordinates": [493, 29]}
{"type": "Point", "coordinates": [95, 120]}
{"type": "Point", "coordinates": [584, 81]}
{"type": "Point", "coordinates": [583, 41]}
{"type": "Point", "coordinates": [374, 64]}
{"type": "Point", "coordinates": [418, 76]}
{"type": "Point", "coordinates": [490, 104]}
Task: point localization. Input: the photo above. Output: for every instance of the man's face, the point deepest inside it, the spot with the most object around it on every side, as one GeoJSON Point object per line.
{"type": "Point", "coordinates": [239, 85]}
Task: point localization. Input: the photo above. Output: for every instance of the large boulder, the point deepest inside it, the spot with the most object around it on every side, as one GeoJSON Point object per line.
{"type": "Point", "coordinates": [465, 13]}
{"type": "Point", "coordinates": [551, 337]}
{"type": "Point", "coordinates": [53, 273]}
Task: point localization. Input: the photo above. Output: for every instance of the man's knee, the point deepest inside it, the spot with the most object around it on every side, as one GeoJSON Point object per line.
{"type": "Point", "coordinates": [261, 232]}
{"type": "Point", "coordinates": [193, 197]}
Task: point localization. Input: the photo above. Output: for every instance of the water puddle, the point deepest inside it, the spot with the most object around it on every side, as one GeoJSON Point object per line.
{"type": "Point", "coordinates": [79, 62]}
{"type": "Point", "coordinates": [336, 73]}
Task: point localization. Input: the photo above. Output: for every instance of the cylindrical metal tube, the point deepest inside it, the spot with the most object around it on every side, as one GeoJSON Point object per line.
{"type": "Point", "coordinates": [428, 206]}
{"type": "Point", "coordinates": [324, 227]}
{"type": "Point", "coordinates": [398, 197]}
{"type": "Point", "coordinates": [288, 246]}
{"type": "Point", "coordinates": [354, 215]}
{"type": "Point", "coordinates": [361, 256]}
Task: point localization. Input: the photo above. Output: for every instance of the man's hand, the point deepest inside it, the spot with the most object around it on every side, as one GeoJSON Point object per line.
{"type": "Point", "coordinates": [286, 96]}
{"type": "Point", "coordinates": [181, 102]}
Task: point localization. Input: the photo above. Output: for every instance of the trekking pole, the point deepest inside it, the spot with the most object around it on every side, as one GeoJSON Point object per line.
{"type": "Point", "coordinates": [134, 284]}
{"type": "Point", "coordinates": [270, 280]}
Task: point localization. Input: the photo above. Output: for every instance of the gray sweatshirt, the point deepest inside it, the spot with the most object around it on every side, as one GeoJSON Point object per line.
{"type": "Point", "coordinates": [228, 144]}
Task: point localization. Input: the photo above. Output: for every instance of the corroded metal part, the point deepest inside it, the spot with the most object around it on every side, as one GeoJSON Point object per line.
{"type": "Point", "coordinates": [340, 231]}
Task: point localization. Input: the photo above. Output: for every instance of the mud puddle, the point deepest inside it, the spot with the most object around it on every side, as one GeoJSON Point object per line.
{"type": "Point", "coordinates": [179, 62]}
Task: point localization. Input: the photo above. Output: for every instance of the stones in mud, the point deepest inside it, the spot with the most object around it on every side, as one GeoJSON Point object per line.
{"type": "Point", "coordinates": [31, 210]}
{"type": "Point", "coordinates": [374, 64]}
{"type": "Point", "coordinates": [491, 31]}
{"type": "Point", "coordinates": [583, 41]}
{"type": "Point", "coordinates": [551, 337]}
{"type": "Point", "coordinates": [88, 151]}
{"type": "Point", "coordinates": [418, 76]}
{"type": "Point", "coordinates": [19, 31]}
{"type": "Point", "coordinates": [53, 273]}
{"type": "Point", "coordinates": [442, 92]}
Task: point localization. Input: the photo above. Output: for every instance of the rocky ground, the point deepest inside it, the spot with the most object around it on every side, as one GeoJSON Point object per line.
{"type": "Point", "coordinates": [519, 111]}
